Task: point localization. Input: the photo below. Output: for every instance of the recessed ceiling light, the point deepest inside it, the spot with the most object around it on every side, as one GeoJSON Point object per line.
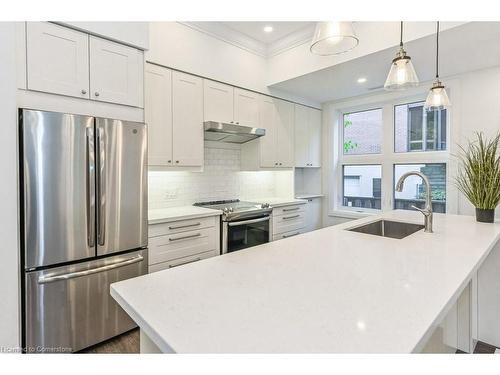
{"type": "Point", "coordinates": [362, 80]}
{"type": "Point", "coordinates": [268, 29]}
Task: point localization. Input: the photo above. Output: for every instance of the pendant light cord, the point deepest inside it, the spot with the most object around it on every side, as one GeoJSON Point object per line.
{"type": "Point", "coordinates": [437, 50]}
{"type": "Point", "coordinates": [401, 38]}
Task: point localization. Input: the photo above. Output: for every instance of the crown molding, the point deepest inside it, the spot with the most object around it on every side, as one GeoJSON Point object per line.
{"type": "Point", "coordinates": [235, 38]}
{"type": "Point", "coordinates": [292, 40]}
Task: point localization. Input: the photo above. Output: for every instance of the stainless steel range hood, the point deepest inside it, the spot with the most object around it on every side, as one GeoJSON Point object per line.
{"type": "Point", "coordinates": [231, 133]}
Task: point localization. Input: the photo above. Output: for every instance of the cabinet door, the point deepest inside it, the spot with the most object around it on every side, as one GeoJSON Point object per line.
{"type": "Point", "coordinates": [158, 114]}
{"type": "Point", "coordinates": [187, 109]}
{"type": "Point", "coordinates": [301, 136]}
{"type": "Point", "coordinates": [218, 101]}
{"type": "Point", "coordinates": [314, 139]}
{"type": "Point", "coordinates": [246, 108]}
{"type": "Point", "coordinates": [285, 129]}
{"type": "Point", "coordinates": [313, 214]}
{"type": "Point", "coordinates": [57, 60]}
{"type": "Point", "coordinates": [116, 73]}
{"type": "Point", "coordinates": [267, 118]}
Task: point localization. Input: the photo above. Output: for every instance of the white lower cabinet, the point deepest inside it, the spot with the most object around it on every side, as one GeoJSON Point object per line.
{"type": "Point", "coordinates": [314, 220]}
{"type": "Point", "coordinates": [181, 242]}
{"type": "Point", "coordinates": [289, 221]}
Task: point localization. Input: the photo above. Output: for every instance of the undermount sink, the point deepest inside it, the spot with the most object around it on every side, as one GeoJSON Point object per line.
{"type": "Point", "coordinates": [387, 228]}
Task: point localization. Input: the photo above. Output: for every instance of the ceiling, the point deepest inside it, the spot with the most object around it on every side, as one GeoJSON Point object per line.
{"type": "Point", "coordinates": [255, 30]}
{"type": "Point", "coordinates": [462, 49]}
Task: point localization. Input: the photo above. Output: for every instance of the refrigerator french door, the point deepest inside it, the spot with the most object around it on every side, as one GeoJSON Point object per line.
{"type": "Point", "coordinates": [84, 208]}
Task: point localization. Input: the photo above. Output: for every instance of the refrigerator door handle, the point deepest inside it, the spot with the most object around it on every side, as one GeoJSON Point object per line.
{"type": "Point", "coordinates": [101, 186]}
{"type": "Point", "coordinates": [90, 187]}
{"type": "Point", "coordinates": [52, 278]}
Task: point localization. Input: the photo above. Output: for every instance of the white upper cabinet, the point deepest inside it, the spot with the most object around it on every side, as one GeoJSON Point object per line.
{"type": "Point", "coordinates": [115, 73]}
{"type": "Point", "coordinates": [246, 108]}
{"type": "Point", "coordinates": [314, 137]}
{"type": "Point", "coordinates": [158, 114]}
{"type": "Point", "coordinates": [187, 108]}
{"type": "Point", "coordinates": [57, 60]}
{"type": "Point", "coordinates": [63, 61]}
{"type": "Point", "coordinates": [225, 103]}
{"type": "Point", "coordinates": [285, 133]}
{"type": "Point", "coordinates": [218, 101]}
{"type": "Point", "coordinates": [307, 137]}
{"type": "Point", "coordinates": [275, 149]}
{"type": "Point", "coordinates": [267, 143]}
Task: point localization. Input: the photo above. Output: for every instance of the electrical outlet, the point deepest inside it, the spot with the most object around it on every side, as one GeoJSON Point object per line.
{"type": "Point", "coordinates": [170, 194]}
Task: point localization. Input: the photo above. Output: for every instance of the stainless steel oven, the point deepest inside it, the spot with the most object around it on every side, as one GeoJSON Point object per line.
{"type": "Point", "coordinates": [243, 224]}
{"type": "Point", "coordinates": [240, 234]}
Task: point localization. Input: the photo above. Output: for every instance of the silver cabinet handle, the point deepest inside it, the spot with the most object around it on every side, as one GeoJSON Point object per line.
{"type": "Point", "coordinates": [290, 235]}
{"type": "Point", "coordinates": [184, 237]}
{"type": "Point", "coordinates": [291, 217]}
{"type": "Point", "coordinates": [182, 263]}
{"type": "Point", "coordinates": [90, 176]}
{"type": "Point", "coordinates": [184, 226]}
{"type": "Point", "coordinates": [291, 209]}
{"type": "Point", "coordinates": [51, 277]}
{"type": "Point", "coordinates": [237, 223]}
{"type": "Point", "coordinates": [84, 92]}
{"type": "Point", "coordinates": [101, 186]}
{"type": "Point", "coordinates": [96, 93]}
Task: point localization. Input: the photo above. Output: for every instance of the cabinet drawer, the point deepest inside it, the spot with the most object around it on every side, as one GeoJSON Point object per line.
{"type": "Point", "coordinates": [180, 226]}
{"type": "Point", "coordinates": [285, 210]}
{"type": "Point", "coordinates": [174, 246]}
{"type": "Point", "coordinates": [287, 234]}
{"type": "Point", "coordinates": [182, 261]}
{"type": "Point", "coordinates": [289, 222]}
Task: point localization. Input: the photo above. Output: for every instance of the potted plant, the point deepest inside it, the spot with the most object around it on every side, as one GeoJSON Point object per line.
{"type": "Point", "coordinates": [478, 177]}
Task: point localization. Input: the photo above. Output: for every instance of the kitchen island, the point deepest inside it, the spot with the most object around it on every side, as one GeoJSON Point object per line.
{"type": "Point", "coordinates": [327, 291]}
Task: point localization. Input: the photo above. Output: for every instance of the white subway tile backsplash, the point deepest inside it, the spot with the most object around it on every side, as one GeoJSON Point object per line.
{"type": "Point", "coordinates": [221, 179]}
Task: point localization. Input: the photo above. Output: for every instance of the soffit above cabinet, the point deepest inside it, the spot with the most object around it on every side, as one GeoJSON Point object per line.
{"type": "Point", "coordinates": [135, 34]}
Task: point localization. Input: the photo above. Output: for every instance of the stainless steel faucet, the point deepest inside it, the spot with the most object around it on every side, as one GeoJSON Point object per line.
{"type": "Point", "coordinates": [427, 211]}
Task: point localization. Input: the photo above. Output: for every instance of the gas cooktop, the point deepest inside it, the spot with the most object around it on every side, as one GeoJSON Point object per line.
{"type": "Point", "coordinates": [235, 209]}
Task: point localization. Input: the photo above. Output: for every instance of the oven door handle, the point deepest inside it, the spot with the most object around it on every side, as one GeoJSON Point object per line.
{"type": "Point", "coordinates": [237, 223]}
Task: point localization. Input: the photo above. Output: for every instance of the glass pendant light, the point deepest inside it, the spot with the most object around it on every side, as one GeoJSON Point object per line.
{"type": "Point", "coordinates": [437, 98]}
{"type": "Point", "coordinates": [333, 38]}
{"type": "Point", "coordinates": [402, 74]}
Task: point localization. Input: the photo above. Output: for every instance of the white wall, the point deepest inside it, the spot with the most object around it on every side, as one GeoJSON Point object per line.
{"type": "Point", "coordinates": [9, 250]}
{"type": "Point", "coordinates": [475, 97]}
{"type": "Point", "coordinates": [221, 179]}
{"type": "Point", "coordinates": [181, 47]}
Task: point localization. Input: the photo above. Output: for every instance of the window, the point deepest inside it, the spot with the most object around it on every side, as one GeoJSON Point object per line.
{"type": "Point", "coordinates": [362, 132]}
{"type": "Point", "coordinates": [362, 186]}
{"type": "Point", "coordinates": [417, 129]}
{"type": "Point", "coordinates": [377, 142]}
{"type": "Point", "coordinates": [414, 191]}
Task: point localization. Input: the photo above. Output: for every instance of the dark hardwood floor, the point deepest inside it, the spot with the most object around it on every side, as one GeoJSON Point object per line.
{"type": "Point", "coordinates": [126, 343]}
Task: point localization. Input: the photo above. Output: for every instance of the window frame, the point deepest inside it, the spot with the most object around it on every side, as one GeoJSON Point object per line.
{"type": "Point", "coordinates": [388, 157]}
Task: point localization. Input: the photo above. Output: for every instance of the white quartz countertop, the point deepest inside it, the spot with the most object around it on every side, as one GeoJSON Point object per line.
{"type": "Point", "coordinates": [163, 215]}
{"type": "Point", "coordinates": [329, 290]}
{"type": "Point", "coordinates": [278, 202]}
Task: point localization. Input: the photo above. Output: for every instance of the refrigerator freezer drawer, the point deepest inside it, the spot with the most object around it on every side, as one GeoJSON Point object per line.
{"type": "Point", "coordinates": [70, 308]}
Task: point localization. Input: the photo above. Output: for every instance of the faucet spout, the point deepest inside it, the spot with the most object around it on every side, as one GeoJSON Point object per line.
{"type": "Point", "coordinates": [427, 211]}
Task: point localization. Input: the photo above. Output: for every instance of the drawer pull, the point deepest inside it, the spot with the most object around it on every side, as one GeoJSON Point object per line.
{"type": "Point", "coordinates": [290, 235]}
{"type": "Point", "coordinates": [184, 237]}
{"type": "Point", "coordinates": [183, 263]}
{"type": "Point", "coordinates": [184, 226]}
{"type": "Point", "coordinates": [291, 217]}
{"type": "Point", "coordinates": [291, 209]}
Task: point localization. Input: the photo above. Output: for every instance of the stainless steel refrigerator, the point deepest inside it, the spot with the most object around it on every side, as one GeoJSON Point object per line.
{"type": "Point", "coordinates": [84, 225]}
